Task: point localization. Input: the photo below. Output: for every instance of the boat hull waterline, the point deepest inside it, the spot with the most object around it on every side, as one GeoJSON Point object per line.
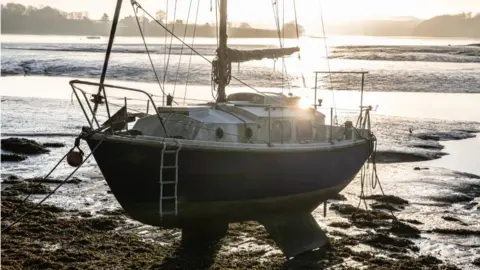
{"type": "Point", "coordinates": [224, 183]}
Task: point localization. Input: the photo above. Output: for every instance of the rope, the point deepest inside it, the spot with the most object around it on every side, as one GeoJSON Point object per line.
{"type": "Point", "coordinates": [375, 180]}
{"type": "Point", "coordinates": [216, 21]}
{"type": "Point", "coordinates": [280, 34]}
{"type": "Point", "coordinates": [146, 47]}
{"type": "Point", "coordinates": [191, 52]}
{"type": "Point", "coordinates": [298, 40]}
{"type": "Point", "coordinates": [53, 191]}
{"type": "Point", "coordinates": [49, 173]}
{"type": "Point", "coordinates": [171, 40]}
{"type": "Point", "coordinates": [181, 48]}
{"type": "Point", "coordinates": [328, 63]}
{"type": "Point", "coordinates": [165, 40]}
{"type": "Point", "coordinates": [199, 54]}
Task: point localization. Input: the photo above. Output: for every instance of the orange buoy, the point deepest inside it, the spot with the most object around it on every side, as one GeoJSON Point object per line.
{"type": "Point", "coordinates": [74, 158]}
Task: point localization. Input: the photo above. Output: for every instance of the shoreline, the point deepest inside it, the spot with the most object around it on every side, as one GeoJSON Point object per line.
{"type": "Point", "coordinates": [259, 37]}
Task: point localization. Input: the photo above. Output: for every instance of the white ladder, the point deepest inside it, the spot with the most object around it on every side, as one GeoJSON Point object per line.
{"type": "Point", "coordinates": [173, 182]}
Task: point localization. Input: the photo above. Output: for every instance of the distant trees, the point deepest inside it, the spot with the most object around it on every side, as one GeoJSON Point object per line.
{"type": "Point", "coordinates": [20, 19]}
{"type": "Point", "coordinates": [160, 15]}
{"type": "Point", "coordinates": [16, 18]}
{"type": "Point", "coordinates": [290, 29]}
{"type": "Point", "coordinates": [105, 18]}
{"type": "Point", "coordinates": [459, 25]}
{"type": "Point", "coordinates": [244, 25]}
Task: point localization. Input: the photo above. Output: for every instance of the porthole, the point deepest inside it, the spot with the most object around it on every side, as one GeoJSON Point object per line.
{"type": "Point", "coordinates": [219, 133]}
{"type": "Point", "coordinates": [248, 133]}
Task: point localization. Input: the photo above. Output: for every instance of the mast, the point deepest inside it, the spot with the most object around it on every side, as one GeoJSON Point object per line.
{"type": "Point", "coordinates": [98, 98]}
{"type": "Point", "coordinates": [222, 53]}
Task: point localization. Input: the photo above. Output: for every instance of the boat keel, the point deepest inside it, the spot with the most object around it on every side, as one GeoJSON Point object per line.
{"type": "Point", "coordinates": [203, 234]}
{"type": "Point", "coordinates": [295, 233]}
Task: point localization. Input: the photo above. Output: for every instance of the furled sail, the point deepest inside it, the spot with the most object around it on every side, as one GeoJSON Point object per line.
{"type": "Point", "coordinates": [248, 55]}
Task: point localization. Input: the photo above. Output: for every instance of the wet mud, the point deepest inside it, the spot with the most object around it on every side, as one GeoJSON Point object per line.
{"type": "Point", "coordinates": [51, 237]}
{"type": "Point", "coordinates": [461, 193]}
{"type": "Point", "coordinates": [454, 219]}
{"type": "Point", "coordinates": [391, 156]}
{"type": "Point", "coordinates": [13, 157]}
{"type": "Point", "coordinates": [53, 145]}
{"type": "Point", "coordinates": [444, 136]}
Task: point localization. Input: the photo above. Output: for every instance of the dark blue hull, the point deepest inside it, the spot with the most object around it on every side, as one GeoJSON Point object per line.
{"type": "Point", "coordinates": [226, 184]}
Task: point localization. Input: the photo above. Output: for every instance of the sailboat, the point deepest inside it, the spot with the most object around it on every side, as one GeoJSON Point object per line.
{"type": "Point", "coordinates": [247, 156]}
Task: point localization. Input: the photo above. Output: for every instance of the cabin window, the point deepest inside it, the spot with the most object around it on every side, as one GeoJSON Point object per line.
{"type": "Point", "coordinates": [304, 130]}
{"type": "Point", "coordinates": [248, 133]}
{"type": "Point", "coordinates": [219, 133]}
{"type": "Point", "coordinates": [281, 131]}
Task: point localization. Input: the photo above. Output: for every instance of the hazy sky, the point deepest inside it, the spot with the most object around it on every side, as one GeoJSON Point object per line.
{"type": "Point", "coordinates": [259, 12]}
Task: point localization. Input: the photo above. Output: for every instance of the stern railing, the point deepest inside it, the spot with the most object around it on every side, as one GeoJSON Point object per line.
{"type": "Point", "coordinates": [92, 115]}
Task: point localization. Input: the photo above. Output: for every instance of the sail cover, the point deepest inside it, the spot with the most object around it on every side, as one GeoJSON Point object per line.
{"type": "Point", "coordinates": [248, 55]}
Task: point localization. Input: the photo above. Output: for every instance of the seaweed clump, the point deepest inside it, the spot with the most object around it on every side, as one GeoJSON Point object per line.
{"type": "Point", "coordinates": [53, 238]}
{"type": "Point", "coordinates": [23, 146]}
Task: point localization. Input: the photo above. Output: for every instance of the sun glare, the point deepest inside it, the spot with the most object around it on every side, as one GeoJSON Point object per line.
{"type": "Point", "coordinates": [304, 103]}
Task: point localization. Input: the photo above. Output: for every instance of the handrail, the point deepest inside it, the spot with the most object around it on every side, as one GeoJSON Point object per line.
{"type": "Point", "coordinates": [75, 88]}
{"type": "Point", "coordinates": [362, 107]}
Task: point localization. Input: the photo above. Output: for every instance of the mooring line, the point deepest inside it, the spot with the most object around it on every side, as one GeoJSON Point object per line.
{"type": "Point", "coordinates": [53, 191]}
{"type": "Point", "coordinates": [51, 171]}
{"type": "Point", "coordinates": [375, 180]}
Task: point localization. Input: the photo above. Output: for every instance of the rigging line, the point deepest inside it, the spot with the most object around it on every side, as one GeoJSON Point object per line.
{"type": "Point", "coordinates": [44, 178]}
{"type": "Point", "coordinates": [144, 30]}
{"type": "Point", "coordinates": [216, 22]}
{"type": "Point", "coordinates": [328, 62]}
{"type": "Point", "coordinates": [165, 39]}
{"type": "Point", "coordinates": [191, 52]}
{"type": "Point", "coordinates": [53, 191]}
{"type": "Point", "coordinates": [283, 44]}
{"type": "Point", "coordinates": [181, 48]}
{"type": "Point", "coordinates": [146, 47]}
{"type": "Point", "coordinates": [277, 23]}
{"type": "Point", "coordinates": [298, 40]}
{"type": "Point", "coordinates": [296, 21]}
{"type": "Point", "coordinates": [206, 59]}
{"type": "Point", "coordinates": [276, 16]}
{"type": "Point", "coordinates": [171, 40]}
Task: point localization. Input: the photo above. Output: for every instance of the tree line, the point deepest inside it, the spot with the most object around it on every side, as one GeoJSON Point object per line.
{"type": "Point", "coordinates": [20, 19]}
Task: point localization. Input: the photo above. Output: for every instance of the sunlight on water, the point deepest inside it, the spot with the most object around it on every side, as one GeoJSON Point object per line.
{"type": "Point", "coordinates": [419, 84]}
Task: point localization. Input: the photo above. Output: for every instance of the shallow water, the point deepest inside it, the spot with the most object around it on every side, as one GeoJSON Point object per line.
{"type": "Point", "coordinates": [395, 64]}
{"type": "Point", "coordinates": [42, 108]}
{"type": "Point", "coordinates": [463, 156]}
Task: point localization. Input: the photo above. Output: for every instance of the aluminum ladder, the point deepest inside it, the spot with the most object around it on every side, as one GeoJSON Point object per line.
{"type": "Point", "coordinates": [163, 210]}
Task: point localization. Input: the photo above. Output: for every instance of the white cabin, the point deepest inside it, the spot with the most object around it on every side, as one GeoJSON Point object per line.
{"type": "Point", "coordinates": [245, 118]}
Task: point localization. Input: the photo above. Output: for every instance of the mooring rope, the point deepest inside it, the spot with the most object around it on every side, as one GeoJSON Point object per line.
{"type": "Point", "coordinates": [375, 180]}
{"type": "Point", "coordinates": [53, 191]}
{"type": "Point", "coordinates": [49, 173]}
